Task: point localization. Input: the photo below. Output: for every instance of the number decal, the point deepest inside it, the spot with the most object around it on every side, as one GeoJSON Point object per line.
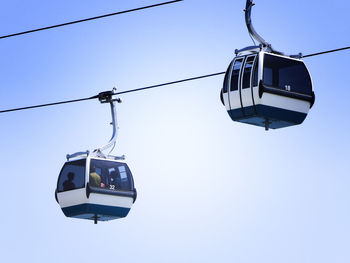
{"type": "Point", "coordinates": [287, 87]}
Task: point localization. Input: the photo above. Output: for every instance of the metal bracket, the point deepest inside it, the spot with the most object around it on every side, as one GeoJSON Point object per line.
{"type": "Point", "coordinates": [267, 124]}
{"type": "Point", "coordinates": [107, 97]}
{"type": "Point", "coordinates": [250, 48]}
{"type": "Point", "coordinates": [70, 156]}
{"type": "Point", "coordinates": [249, 24]}
{"type": "Point", "coordinates": [116, 157]}
{"type": "Point", "coordinates": [299, 56]}
{"type": "Point", "coordinates": [248, 20]}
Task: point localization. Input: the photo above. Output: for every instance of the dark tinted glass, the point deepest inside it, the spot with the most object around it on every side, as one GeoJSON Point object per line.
{"type": "Point", "coordinates": [286, 74]}
{"type": "Point", "coordinates": [226, 78]}
{"type": "Point", "coordinates": [235, 74]}
{"type": "Point", "coordinates": [256, 72]}
{"type": "Point", "coordinates": [247, 72]}
{"type": "Point", "coordinates": [72, 176]}
{"type": "Point", "coordinates": [110, 175]}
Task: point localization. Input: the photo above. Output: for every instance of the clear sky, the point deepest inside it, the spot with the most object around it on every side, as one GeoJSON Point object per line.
{"type": "Point", "coordinates": [209, 189]}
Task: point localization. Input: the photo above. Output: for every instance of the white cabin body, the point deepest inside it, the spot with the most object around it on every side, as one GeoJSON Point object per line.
{"type": "Point", "coordinates": [267, 89]}
{"type": "Point", "coordinates": [95, 188]}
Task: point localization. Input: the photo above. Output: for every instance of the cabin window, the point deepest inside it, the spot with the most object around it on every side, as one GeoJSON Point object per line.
{"type": "Point", "coordinates": [235, 74]}
{"type": "Point", "coordinates": [247, 72]}
{"type": "Point", "coordinates": [226, 78]}
{"type": "Point", "coordinates": [286, 74]}
{"type": "Point", "coordinates": [72, 176]}
{"type": "Point", "coordinates": [110, 175]}
{"type": "Point", "coordinates": [256, 72]}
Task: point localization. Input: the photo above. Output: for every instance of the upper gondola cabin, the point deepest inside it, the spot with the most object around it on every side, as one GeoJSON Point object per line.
{"type": "Point", "coordinates": [267, 89]}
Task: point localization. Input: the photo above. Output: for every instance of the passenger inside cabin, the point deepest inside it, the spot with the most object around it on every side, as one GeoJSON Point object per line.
{"type": "Point", "coordinates": [94, 178]}
{"type": "Point", "coordinates": [68, 184]}
{"type": "Point", "coordinates": [113, 180]}
{"type": "Point", "coordinates": [104, 180]}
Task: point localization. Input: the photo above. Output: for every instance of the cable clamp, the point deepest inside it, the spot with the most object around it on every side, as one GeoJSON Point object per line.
{"type": "Point", "coordinates": [106, 96]}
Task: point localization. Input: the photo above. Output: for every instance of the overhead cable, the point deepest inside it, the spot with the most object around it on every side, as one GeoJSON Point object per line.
{"type": "Point", "coordinates": [148, 87]}
{"type": "Point", "coordinates": [170, 83]}
{"type": "Point", "coordinates": [118, 93]}
{"type": "Point", "coordinates": [88, 19]}
{"type": "Point", "coordinates": [49, 104]}
{"type": "Point", "coordinates": [325, 52]}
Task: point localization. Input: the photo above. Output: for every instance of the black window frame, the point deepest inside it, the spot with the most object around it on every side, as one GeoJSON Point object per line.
{"type": "Point", "coordinates": [226, 79]}
{"type": "Point", "coordinates": [82, 164]}
{"type": "Point", "coordinates": [233, 87]}
{"type": "Point", "coordinates": [105, 165]}
{"type": "Point", "coordinates": [296, 80]}
{"type": "Point", "coordinates": [255, 72]}
{"type": "Point", "coordinates": [246, 78]}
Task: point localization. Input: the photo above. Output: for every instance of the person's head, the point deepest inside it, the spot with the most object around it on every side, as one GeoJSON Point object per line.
{"type": "Point", "coordinates": [70, 176]}
{"type": "Point", "coordinates": [92, 168]}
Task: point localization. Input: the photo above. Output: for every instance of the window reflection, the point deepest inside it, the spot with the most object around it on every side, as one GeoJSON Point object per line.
{"type": "Point", "coordinates": [256, 73]}
{"type": "Point", "coordinates": [235, 74]}
{"type": "Point", "coordinates": [247, 72]}
{"type": "Point", "coordinates": [72, 176]}
{"type": "Point", "coordinates": [110, 175]}
{"type": "Point", "coordinates": [226, 78]}
{"type": "Point", "coordinates": [286, 74]}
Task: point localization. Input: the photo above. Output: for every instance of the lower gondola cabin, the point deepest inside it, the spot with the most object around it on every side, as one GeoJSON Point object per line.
{"type": "Point", "coordinates": [95, 188]}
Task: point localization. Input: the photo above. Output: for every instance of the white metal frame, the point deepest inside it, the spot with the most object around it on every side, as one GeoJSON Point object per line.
{"type": "Point", "coordinates": [246, 94]}
{"type": "Point", "coordinates": [107, 98]}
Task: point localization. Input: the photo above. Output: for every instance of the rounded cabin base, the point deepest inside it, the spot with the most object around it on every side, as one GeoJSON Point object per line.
{"type": "Point", "coordinates": [90, 211]}
{"type": "Point", "coordinates": [262, 115]}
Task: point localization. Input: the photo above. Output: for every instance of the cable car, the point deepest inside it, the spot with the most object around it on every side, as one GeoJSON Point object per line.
{"type": "Point", "coordinates": [96, 186]}
{"type": "Point", "coordinates": [267, 89]}
{"type": "Point", "coordinates": [264, 87]}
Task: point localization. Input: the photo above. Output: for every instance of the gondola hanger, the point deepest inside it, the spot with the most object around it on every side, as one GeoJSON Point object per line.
{"type": "Point", "coordinates": [95, 185]}
{"type": "Point", "coordinates": [264, 87]}
{"type": "Point", "coordinates": [105, 97]}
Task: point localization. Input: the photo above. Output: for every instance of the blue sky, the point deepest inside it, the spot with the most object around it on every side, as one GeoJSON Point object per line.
{"type": "Point", "coordinates": [209, 189]}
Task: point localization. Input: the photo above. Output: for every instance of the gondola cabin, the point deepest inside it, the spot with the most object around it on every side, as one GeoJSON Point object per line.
{"type": "Point", "coordinates": [95, 188]}
{"type": "Point", "coordinates": [267, 89]}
